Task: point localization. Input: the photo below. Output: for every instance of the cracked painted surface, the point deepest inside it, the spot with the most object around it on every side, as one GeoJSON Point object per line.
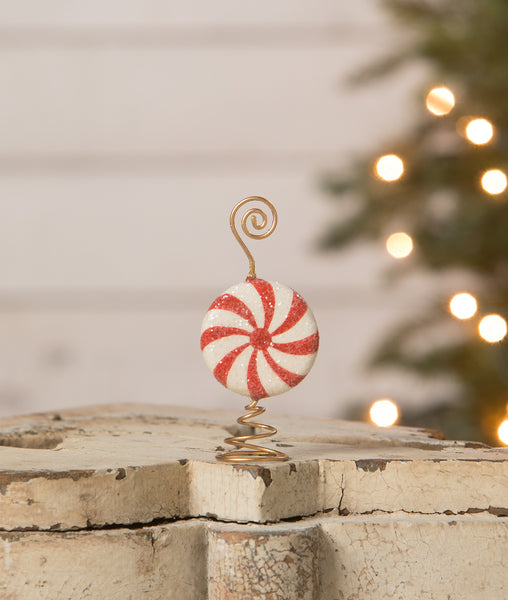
{"type": "Point", "coordinates": [255, 564]}
{"type": "Point", "coordinates": [327, 557]}
{"type": "Point", "coordinates": [358, 513]}
{"type": "Point", "coordinates": [420, 557]}
{"type": "Point", "coordinates": [133, 464]}
{"type": "Point", "coordinates": [419, 485]}
{"type": "Point", "coordinates": [163, 562]}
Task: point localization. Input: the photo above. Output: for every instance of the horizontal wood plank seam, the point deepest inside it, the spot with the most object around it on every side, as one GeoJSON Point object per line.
{"type": "Point", "coordinates": [141, 300]}
{"type": "Point", "coordinates": [38, 37]}
{"type": "Point", "coordinates": [158, 163]}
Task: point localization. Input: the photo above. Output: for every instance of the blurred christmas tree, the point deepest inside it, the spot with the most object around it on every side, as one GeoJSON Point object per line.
{"type": "Point", "coordinates": [442, 189]}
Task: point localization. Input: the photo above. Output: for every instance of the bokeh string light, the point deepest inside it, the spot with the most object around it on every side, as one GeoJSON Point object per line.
{"type": "Point", "coordinates": [384, 413]}
{"type": "Point", "coordinates": [389, 167]}
{"type": "Point", "coordinates": [440, 101]}
{"type": "Point", "coordinates": [492, 328]}
{"type": "Point", "coordinates": [479, 131]}
{"type": "Point", "coordinates": [494, 181]}
{"type": "Point", "coordinates": [502, 432]}
{"type": "Point", "coordinates": [463, 305]}
{"type": "Point", "coordinates": [399, 245]}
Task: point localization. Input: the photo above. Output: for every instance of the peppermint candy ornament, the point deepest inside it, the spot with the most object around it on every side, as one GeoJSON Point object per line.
{"type": "Point", "coordinates": [259, 338]}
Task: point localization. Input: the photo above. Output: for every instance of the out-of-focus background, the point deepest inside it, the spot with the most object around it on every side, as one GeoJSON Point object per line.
{"type": "Point", "coordinates": [128, 131]}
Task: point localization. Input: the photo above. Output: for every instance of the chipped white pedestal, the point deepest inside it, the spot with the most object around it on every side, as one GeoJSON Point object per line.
{"type": "Point", "coordinates": [127, 502]}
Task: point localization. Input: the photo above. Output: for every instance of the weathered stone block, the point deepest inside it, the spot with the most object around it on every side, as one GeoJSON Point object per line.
{"type": "Point", "coordinates": [128, 502]}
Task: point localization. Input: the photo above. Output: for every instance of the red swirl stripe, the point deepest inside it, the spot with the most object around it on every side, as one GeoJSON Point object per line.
{"type": "Point", "coordinates": [297, 310]}
{"type": "Point", "coordinates": [287, 377]}
{"type": "Point", "coordinates": [308, 345]}
{"type": "Point", "coordinates": [216, 333]}
{"type": "Point", "coordinates": [254, 385]}
{"type": "Point", "coordinates": [267, 295]}
{"type": "Point", "coordinates": [223, 367]}
{"type": "Point", "coordinates": [234, 305]}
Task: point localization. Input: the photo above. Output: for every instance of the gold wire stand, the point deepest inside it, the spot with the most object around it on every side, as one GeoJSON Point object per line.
{"type": "Point", "coordinates": [245, 451]}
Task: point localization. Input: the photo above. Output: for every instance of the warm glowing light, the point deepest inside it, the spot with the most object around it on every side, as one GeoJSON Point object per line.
{"type": "Point", "coordinates": [479, 131]}
{"type": "Point", "coordinates": [463, 305]}
{"type": "Point", "coordinates": [492, 328]}
{"type": "Point", "coordinates": [440, 101]}
{"type": "Point", "coordinates": [389, 167]}
{"type": "Point", "coordinates": [502, 432]}
{"type": "Point", "coordinates": [494, 181]}
{"type": "Point", "coordinates": [399, 245]}
{"type": "Point", "coordinates": [384, 413]}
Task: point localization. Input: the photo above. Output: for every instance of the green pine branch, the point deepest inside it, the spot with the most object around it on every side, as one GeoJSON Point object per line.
{"type": "Point", "coordinates": [439, 199]}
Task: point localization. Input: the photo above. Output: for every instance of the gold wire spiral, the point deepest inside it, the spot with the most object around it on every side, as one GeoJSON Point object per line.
{"type": "Point", "coordinates": [253, 213]}
{"type": "Point", "coordinates": [245, 451]}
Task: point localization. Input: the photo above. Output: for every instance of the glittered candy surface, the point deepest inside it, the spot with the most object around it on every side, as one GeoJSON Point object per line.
{"type": "Point", "coordinates": [259, 338]}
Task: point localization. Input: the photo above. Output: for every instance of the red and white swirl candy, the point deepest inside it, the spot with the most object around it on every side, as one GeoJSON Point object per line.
{"type": "Point", "coordinates": [259, 338]}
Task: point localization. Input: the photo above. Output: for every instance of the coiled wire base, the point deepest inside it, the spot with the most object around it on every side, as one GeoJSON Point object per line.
{"type": "Point", "coordinates": [245, 451]}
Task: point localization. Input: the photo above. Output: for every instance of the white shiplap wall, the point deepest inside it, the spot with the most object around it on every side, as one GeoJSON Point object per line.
{"type": "Point", "coordinates": [128, 131]}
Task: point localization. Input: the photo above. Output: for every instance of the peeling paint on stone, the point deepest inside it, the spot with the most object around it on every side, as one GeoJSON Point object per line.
{"type": "Point", "coordinates": [256, 471]}
{"type": "Point", "coordinates": [121, 474]}
{"type": "Point", "coordinates": [498, 511]}
{"type": "Point", "coordinates": [371, 465]}
{"type": "Point", "coordinates": [9, 477]}
{"type": "Point", "coordinates": [434, 433]}
{"type": "Point", "coordinates": [475, 445]}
